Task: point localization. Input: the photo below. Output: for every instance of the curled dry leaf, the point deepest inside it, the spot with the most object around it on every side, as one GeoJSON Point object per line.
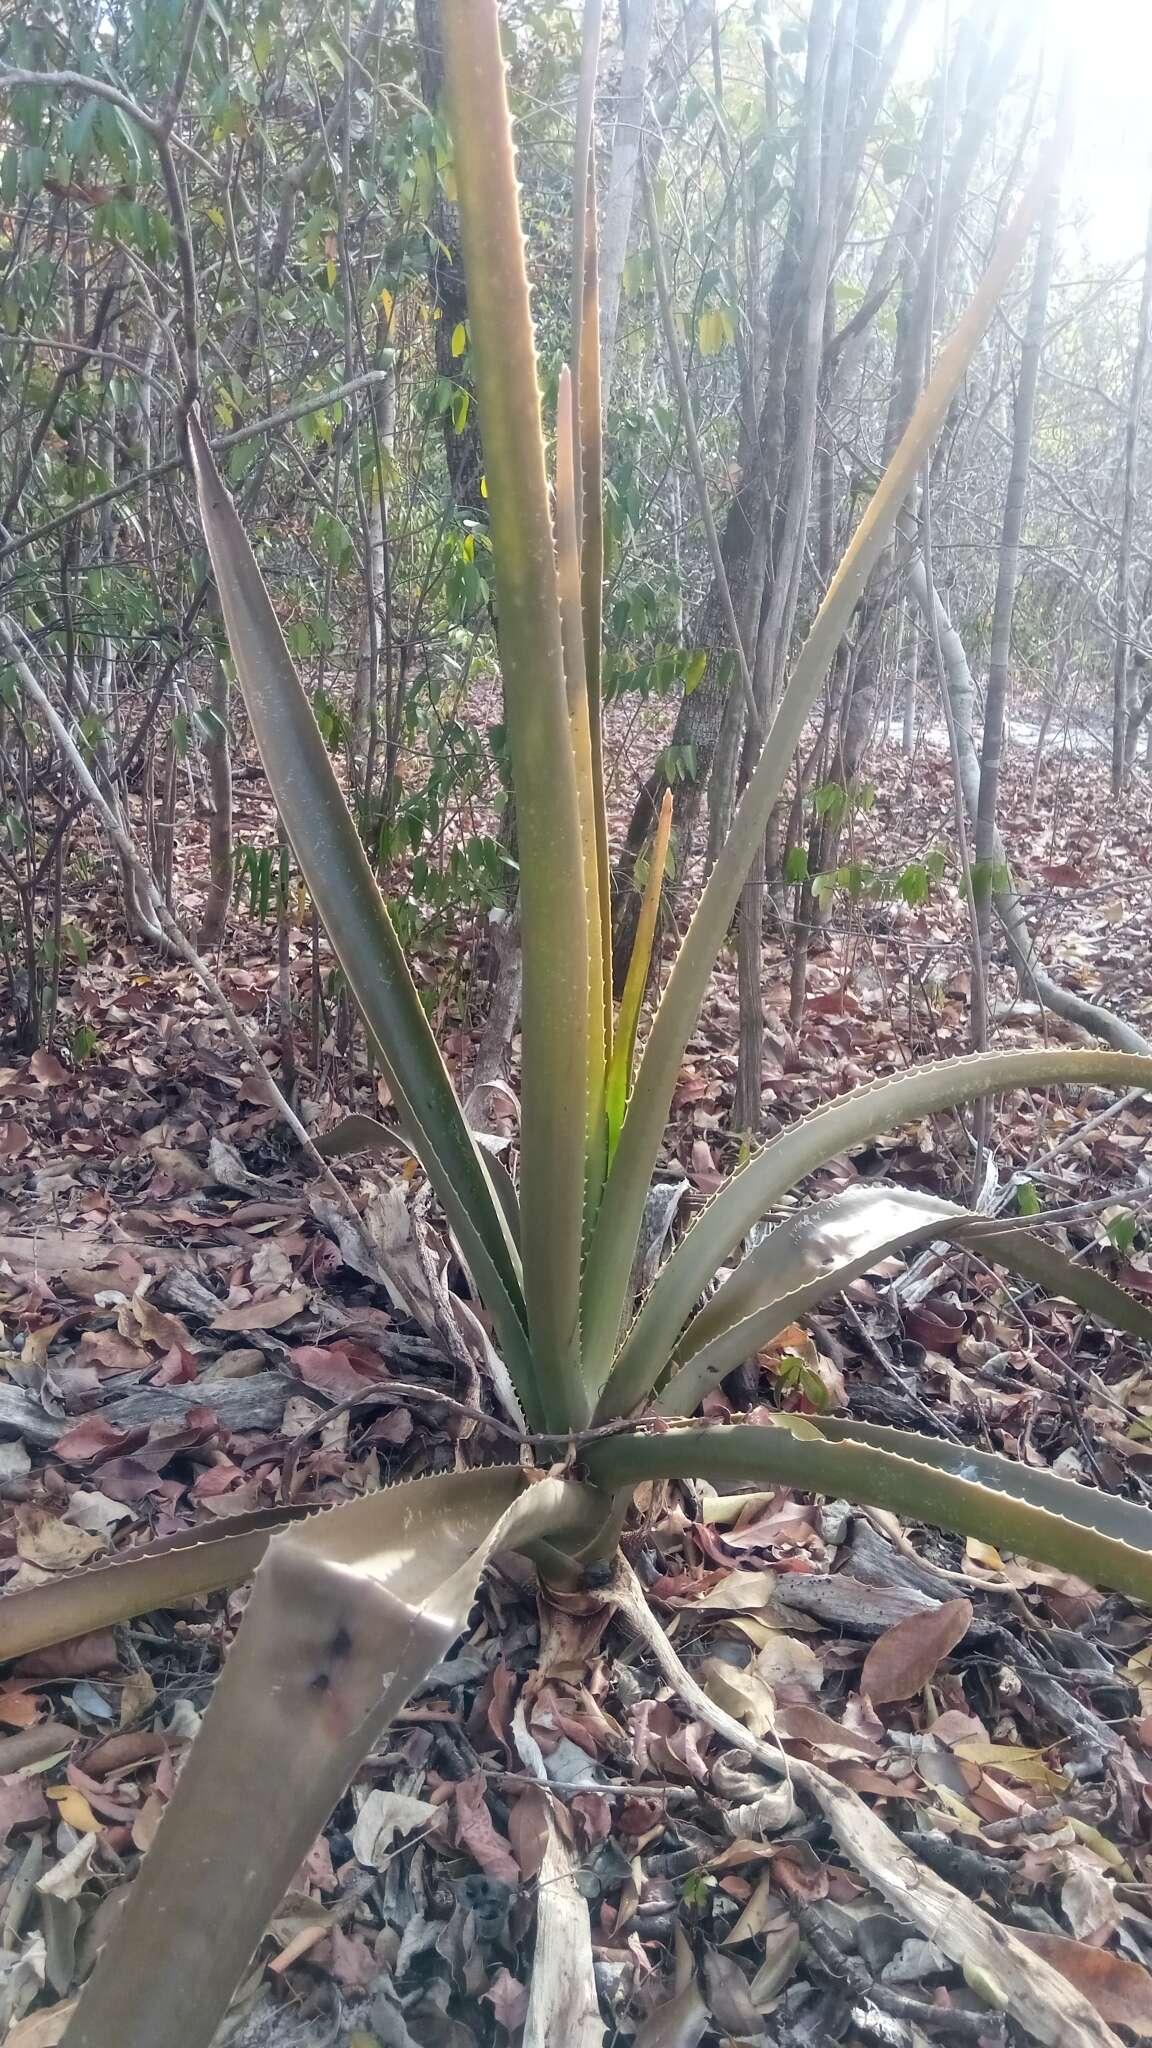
{"type": "Point", "coordinates": [726, 1990]}
{"type": "Point", "coordinates": [22, 1803]}
{"type": "Point", "coordinates": [508, 1999]}
{"type": "Point", "coordinates": [752, 1809]}
{"type": "Point", "coordinates": [384, 1819]}
{"type": "Point", "coordinates": [54, 1545]}
{"type": "Point", "coordinates": [906, 1656]}
{"type": "Point", "coordinates": [42, 2029]}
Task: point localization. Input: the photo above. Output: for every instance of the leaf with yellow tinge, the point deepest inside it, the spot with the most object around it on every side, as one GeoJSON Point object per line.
{"type": "Point", "coordinates": [743, 1694]}
{"type": "Point", "coordinates": [1027, 1765]}
{"type": "Point", "coordinates": [1100, 1846]}
{"type": "Point", "coordinates": [72, 1806]}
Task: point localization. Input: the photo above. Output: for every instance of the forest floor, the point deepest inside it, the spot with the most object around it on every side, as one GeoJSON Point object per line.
{"type": "Point", "coordinates": [182, 1341]}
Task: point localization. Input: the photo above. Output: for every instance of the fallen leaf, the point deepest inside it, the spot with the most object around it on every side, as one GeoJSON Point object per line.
{"type": "Point", "coordinates": [476, 1833]}
{"type": "Point", "coordinates": [331, 1371]}
{"type": "Point", "coordinates": [92, 1437]}
{"type": "Point", "coordinates": [789, 1666]}
{"type": "Point", "coordinates": [781, 1952]}
{"type": "Point", "coordinates": [96, 1513]}
{"type": "Point", "coordinates": [383, 1819]}
{"type": "Point", "coordinates": [156, 1325]}
{"type": "Point", "coordinates": [1089, 1905]}
{"type": "Point", "coordinates": [902, 1660]}
{"type": "Point", "coordinates": [45, 1068]}
{"type": "Point", "coordinates": [680, 2023]}
{"type": "Point", "coordinates": [22, 1803]}
{"type": "Point", "coordinates": [741, 1693]}
{"type": "Point", "coordinates": [263, 1315]}
{"type": "Point", "coordinates": [1027, 1765]}
{"type": "Point", "coordinates": [56, 1546]}
{"type": "Point", "coordinates": [75, 1657]}
{"type": "Point", "coordinates": [41, 2029]}
{"type": "Point", "coordinates": [508, 1999]}
{"type": "Point", "coordinates": [72, 1806]}
{"type": "Point", "coordinates": [1120, 1991]}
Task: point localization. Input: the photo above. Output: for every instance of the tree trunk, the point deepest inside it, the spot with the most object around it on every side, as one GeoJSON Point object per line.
{"type": "Point", "coordinates": [463, 453]}
{"type": "Point", "coordinates": [620, 189]}
{"type": "Point", "coordinates": [827, 79]}
{"type": "Point", "coordinates": [1121, 664]}
{"type": "Point", "coordinates": [1008, 569]}
{"type": "Point", "coordinates": [1033, 979]}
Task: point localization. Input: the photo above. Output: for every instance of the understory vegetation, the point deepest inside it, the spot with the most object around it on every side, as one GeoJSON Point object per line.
{"type": "Point", "coordinates": [574, 650]}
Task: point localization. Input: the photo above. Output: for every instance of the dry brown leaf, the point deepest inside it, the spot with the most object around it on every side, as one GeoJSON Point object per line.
{"type": "Point", "coordinates": [54, 1545]}
{"type": "Point", "coordinates": [1120, 1991]}
{"type": "Point", "coordinates": [263, 1315]}
{"type": "Point", "coordinates": [42, 2029]}
{"type": "Point", "coordinates": [155, 1325]}
{"type": "Point", "coordinates": [902, 1660]}
{"type": "Point", "coordinates": [788, 1665]}
{"type": "Point", "coordinates": [742, 1693]}
{"type": "Point", "coordinates": [681, 2023]}
{"type": "Point", "coordinates": [383, 1818]}
{"type": "Point", "coordinates": [476, 1833]}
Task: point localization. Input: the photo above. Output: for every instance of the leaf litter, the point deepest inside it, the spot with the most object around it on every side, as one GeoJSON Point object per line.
{"type": "Point", "coordinates": [182, 1341]}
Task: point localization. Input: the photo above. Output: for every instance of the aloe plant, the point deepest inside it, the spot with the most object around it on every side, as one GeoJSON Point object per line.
{"type": "Point", "coordinates": [352, 1605]}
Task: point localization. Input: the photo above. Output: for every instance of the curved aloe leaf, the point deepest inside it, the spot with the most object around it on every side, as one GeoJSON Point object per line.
{"type": "Point", "coordinates": [203, 1560]}
{"type": "Point", "coordinates": [627, 1024]}
{"type": "Point", "coordinates": [618, 1225]}
{"type": "Point", "coordinates": [137, 1580]}
{"type": "Point", "coordinates": [977, 1494]}
{"type": "Point", "coordinates": [576, 683]}
{"type": "Point", "coordinates": [850, 1120]}
{"type": "Point", "coordinates": [339, 1630]}
{"type": "Point", "coordinates": [1123, 1521]}
{"type": "Point", "coordinates": [592, 569]}
{"type": "Point", "coordinates": [554, 1004]}
{"type": "Point", "coordinates": [335, 868]}
{"type": "Point", "coordinates": [821, 1249]}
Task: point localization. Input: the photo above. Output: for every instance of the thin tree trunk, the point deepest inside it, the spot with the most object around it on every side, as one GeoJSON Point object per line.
{"type": "Point", "coordinates": [826, 93]}
{"type": "Point", "coordinates": [364, 704]}
{"type": "Point", "coordinates": [1008, 570]}
{"type": "Point", "coordinates": [218, 760]}
{"type": "Point", "coordinates": [620, 189]}
{"type": "Point", "coordinates": [1121, 663]}
{"type": "Point", "coordinates": [1034, 980]}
